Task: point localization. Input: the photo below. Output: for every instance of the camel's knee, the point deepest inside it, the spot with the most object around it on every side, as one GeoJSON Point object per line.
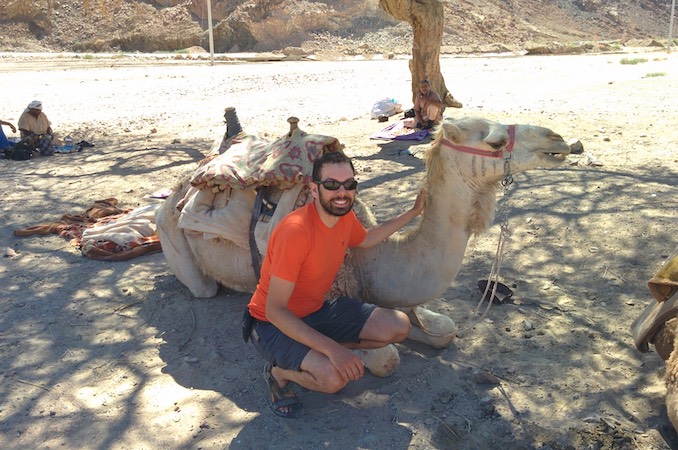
{"type": "Point", "coordinates": [382, 362]}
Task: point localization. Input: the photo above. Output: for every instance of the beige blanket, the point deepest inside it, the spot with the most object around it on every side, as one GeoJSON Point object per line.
{"type": "Point", "coordinates": [227, 214]}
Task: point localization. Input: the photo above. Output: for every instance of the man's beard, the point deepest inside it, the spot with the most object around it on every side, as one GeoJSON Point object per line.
{"type": "Point", "coordinates": [333, 209]}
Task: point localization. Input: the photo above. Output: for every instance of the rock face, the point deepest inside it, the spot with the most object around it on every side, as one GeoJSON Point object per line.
{"type": "Point", "coordinates": [346, 27]}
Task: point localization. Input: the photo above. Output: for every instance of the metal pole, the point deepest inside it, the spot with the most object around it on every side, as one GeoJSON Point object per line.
{"type": "Point", "coordinates": [673, 7]}
{"type": "Point", "coordinates": [209, 31]}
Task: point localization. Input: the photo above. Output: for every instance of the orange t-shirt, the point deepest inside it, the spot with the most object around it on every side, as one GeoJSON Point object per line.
{"type": "Point", "coordinates": [304, 251]}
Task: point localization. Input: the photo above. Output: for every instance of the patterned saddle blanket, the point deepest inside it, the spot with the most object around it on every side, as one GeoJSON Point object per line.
{"type": "Point", "coordinates": [224, 187]}
{"type": "Point", "coordinates": [247, 162]}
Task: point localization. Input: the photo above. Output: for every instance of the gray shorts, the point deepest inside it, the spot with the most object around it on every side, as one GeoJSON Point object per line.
{"type": "Point", "coordinates": [341, 320]}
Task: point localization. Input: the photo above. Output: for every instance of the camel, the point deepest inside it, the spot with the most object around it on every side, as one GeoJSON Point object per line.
{"type": "Point", "coordinates": [658, 325]}
{"type": "Point", "coordinates": [465, 164]}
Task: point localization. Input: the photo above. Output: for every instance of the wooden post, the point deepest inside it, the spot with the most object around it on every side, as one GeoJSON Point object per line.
{"type": "Point", "coordinates": [673, 8]}
{"type": "Point", "coordinates": [209, 31]}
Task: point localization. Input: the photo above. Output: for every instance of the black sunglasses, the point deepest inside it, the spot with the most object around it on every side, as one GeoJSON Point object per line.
{"type": "Point", "coordinates": [333, 185]}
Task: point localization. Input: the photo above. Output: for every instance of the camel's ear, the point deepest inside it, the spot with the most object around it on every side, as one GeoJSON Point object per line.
{"type": "Point", "coordinates": [333, 145]}
{"type": "Point", "coordinates": [451, 131]}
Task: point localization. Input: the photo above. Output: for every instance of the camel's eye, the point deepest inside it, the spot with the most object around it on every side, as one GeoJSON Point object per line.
{"type": "Point", "coordinates": [497, 145]}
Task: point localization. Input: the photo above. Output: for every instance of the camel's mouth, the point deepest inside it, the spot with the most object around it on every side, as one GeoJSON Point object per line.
{"type": "Point", "coordinates": [554, 158]}
{"type": "Point", "coordinates": [573, 148]}
{"type": "Point", "coordinates": [557, 157]}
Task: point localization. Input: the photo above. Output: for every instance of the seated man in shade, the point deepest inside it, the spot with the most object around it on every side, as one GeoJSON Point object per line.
{"type": "Point", "coordinates": [428, 107]}
{"type": "Point", "coordinates": [36, 129]}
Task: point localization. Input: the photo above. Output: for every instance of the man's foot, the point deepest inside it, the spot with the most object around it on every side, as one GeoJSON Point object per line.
{"type": "Point", "coordinates": [456, 104]}
{"type": "Point", "coordinates": [283, 402]}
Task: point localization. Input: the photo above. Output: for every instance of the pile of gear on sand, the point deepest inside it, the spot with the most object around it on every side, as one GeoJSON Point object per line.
{"type": "Point", "coordinates": [36, 136]}
{"type": "Point", "coordinates": [103, 231]}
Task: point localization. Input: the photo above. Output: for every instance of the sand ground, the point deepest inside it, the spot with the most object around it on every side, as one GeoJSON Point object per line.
{"type": "Point", "coordinates": [119, 355]}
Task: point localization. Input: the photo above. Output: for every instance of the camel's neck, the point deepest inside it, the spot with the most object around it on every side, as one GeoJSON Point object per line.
{"type": "Point", "coordinates": [412, 269]}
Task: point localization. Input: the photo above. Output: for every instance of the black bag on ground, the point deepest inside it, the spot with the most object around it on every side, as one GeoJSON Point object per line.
{"type": "Point", "coordinates": [19, 152]}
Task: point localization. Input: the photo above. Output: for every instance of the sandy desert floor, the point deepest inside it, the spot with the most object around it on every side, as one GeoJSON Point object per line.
{"type": "Point", "coordinates": [119, 355]}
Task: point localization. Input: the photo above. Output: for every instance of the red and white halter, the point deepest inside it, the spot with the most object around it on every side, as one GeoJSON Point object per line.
{"type": "Point", "coordinates": [488, 153]}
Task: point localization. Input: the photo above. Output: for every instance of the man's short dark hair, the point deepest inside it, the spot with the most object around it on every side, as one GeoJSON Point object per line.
{"type": "Point", "coordinates": [336, 157]}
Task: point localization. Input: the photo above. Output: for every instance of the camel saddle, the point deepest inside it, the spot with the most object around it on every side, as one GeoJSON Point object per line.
{"type": "Point", "coordinates": [246, 162]}
{"type": "Point", "coordinates": [269, 178]}
{"type": "Point", "coordinates": [663, 286]}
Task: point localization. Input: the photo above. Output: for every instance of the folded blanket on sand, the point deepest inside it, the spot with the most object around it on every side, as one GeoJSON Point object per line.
{"type": "Point", "coordinates": [397, 131]}
{"type": "Point", "coordinates": [104, 231]}
{"type": "Point", "coordinates": [122, 237]}
{"type": "Point", "coordinates": [74, 222]}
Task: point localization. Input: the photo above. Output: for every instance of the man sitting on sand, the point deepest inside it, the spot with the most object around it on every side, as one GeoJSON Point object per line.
{"type": "Point", "coordinates": [36, 129]}
{"type": "Point", "coordinates": [428, 107]}
{"type": "Point", "coordinates": [303, 338]}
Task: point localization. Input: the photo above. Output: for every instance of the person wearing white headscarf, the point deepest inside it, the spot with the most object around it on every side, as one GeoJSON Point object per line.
{"type": "Point", "coordinates": [34, 121]}
{"type": "Point", "coordinates": [36, 129]}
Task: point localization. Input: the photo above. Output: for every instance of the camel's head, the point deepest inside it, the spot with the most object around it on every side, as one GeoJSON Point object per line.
{"type": "Point", "coordinates": [480, 146]}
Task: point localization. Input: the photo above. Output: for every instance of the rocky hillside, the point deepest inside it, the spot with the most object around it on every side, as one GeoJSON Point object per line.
{"type": "Point", "coordinates": [327, 26]}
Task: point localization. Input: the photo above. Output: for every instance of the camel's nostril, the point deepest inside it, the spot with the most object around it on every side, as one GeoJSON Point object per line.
{"type": "Point", "coordinates": [576, 147]}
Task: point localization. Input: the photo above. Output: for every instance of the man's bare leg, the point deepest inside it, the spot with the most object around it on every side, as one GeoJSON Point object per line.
{"type": "Point", "coordinates": [317, 373]}
{"type": "Point", "coordinates": [384, 326]}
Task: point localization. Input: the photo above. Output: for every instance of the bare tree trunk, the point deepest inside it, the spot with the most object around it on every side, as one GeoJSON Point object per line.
{"type": "Point", "coordinates": [426, 18]}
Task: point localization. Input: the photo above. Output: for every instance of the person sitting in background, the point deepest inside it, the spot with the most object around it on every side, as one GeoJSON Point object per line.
{"type": "Point", "coordinates": [4, 143]}
{"type": "Point", "coordinates": [36, 129]}
{"type": "Point", "coordinates": [428, 107]}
